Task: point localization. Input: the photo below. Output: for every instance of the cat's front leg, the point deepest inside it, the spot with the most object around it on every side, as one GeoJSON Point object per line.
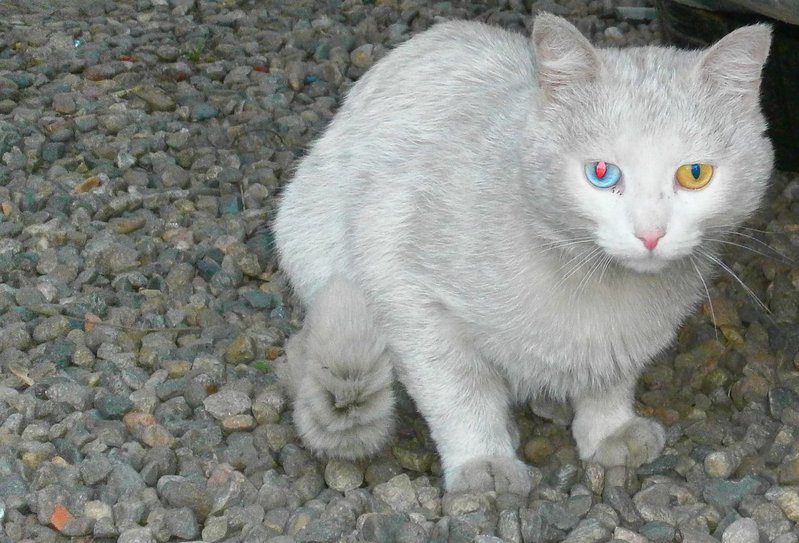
{"type": "Point", "coordinates": [608, 432]}
{"type": "Point", "coordinates": [466, 405]}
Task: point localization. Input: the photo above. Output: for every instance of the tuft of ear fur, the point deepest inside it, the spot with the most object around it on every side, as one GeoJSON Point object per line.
{"type": "Point", "coordinates": [734, 63]}
{"type": "Point", "coordinates": [563, 55]}
{"type": "Point", "coordinates": [338, 373]}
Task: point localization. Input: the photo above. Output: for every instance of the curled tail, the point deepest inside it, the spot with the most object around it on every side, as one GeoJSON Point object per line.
{"type": "Point", "coordinates": [339, 375]}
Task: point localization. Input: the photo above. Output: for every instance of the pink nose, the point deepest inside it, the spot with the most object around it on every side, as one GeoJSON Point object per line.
{"type": "Point", "coordinates": [651, 238]}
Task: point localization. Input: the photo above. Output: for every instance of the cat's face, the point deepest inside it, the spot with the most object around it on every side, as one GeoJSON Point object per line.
{"type": "Point", "coordinates": [655, 155]}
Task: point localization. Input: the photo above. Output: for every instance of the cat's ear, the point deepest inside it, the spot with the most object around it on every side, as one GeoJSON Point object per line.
{"type": "Point", "coordinates": [734, 63]}
{"type": "Point", "coordinates": [563, 56]}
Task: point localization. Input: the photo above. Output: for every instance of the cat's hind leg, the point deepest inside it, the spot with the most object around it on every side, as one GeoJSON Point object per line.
{"type": "Point", "coordinates": [608, 432]}
{"type": "Point", "coordinates": [339, 376]}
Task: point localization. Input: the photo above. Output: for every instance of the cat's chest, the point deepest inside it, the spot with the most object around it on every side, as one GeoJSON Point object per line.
{"type": "Point", "coordinates": [564, 343]}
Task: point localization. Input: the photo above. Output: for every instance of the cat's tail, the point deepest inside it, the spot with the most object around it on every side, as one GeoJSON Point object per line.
{"type": "Point", "coordinates": [339, 375]}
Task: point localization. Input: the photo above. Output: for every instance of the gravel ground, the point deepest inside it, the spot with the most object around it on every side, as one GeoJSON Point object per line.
{"type": "Point", "coordinates": [142, 143]}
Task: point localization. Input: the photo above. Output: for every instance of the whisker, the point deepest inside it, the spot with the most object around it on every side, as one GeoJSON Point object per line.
{"type": "Point", "coordinates": [732, 228]}
{"type": "Point", "coordinates": [584, 257]}
{"type": "Point", "coordinates": [547, 247]}
{"type": "Point", "coordinates": [608, 261]}
{"type": "Point", "coordinates": [746, 288]}
{"type": "Point", "coordinates": [597, 261]}
{"type": "Point", "coordinates": [709, 300]}
{"type": "Point", "coordinates": [787, 259]}
{"type": "Point", "coordinates": [584, 254]}
{"type": "Point", "coordinates": [602, 262]}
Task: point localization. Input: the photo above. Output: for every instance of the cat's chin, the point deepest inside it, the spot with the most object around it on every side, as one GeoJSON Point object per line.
{"type": "Point", "coordinates": [646, 265]}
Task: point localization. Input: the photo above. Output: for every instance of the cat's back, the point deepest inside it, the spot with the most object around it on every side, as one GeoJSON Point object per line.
{"type": "Point", "coordinates": [428, 104]}
{"type": "Point", "coordinates": [447, 64]}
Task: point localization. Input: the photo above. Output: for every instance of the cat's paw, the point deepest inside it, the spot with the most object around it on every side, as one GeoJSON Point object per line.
{"type": "Point", "coordinates": [501, 474]}
{"type": "Point", "coordinates": [637, 442]}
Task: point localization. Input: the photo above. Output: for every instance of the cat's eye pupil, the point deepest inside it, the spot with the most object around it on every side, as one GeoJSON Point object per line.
{"type": "Point", "coordinates": [696, 170]}
{"type": "Point", "coordinates": [601, 169]}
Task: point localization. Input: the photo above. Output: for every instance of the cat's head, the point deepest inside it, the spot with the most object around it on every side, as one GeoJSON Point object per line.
{"type": "Point", "coordinates": [651, 152]}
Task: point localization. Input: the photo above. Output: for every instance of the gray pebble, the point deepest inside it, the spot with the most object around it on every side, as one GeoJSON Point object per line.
{"type": "Point", "coordinates": [227, 403]}
{"type": "Point", "coordinates": [136, 535]}
{"type": "Point", "coordinates": [181, 523]}
{"type": "Point", "coordinates": [397, 494]}
{"type": "Point", "coordinates": [342, 475]}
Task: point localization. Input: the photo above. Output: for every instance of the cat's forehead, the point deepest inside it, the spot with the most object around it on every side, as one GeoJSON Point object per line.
{"type": "Point", "coordinates": [650, 65]}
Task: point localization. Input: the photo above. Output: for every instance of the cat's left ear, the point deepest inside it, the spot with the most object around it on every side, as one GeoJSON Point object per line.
{"type": "Point", "coordinates": [734, 63]}
{"type": "Point", "coordinates": [563, 56]}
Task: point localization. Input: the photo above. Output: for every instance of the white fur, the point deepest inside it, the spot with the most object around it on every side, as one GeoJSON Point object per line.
{"type": "Point", "coordinates": [339, 375]}
{"type": "Point", "coordinates": [449, 190]}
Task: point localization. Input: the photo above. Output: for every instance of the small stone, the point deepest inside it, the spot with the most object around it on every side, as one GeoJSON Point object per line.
{"type": "Point", "coordinates": [137, 422]}
{"type": "Point", "coordinates": [113, 406]}
{"type": "Point", "coordinates": [658, 532]}
{"type": "Point", "coordinates": [751, 388]}
{"type": "Point", "coordinates": [460, 503]}
{"type": "Point", "coordinates": [156, 435]}
{"type": "Point", "coordinates": [64, 103]}
{"type": "Point", "coordinates": [173, 176]}
{"type": "Point", "coordinates": [53, 150]}
{"type": "Point", "coordinates": [397, 494]}
{"type": "Point", "coordinates": [136, 535]}
{"type": "Point", "coordinates": [594, 477]}
{"type": "Point", "coordinates": [157, 99]}
{"type": "Point", "coordinates": [605, 514]}
{"type": "Point", "coordinates": [95, 468]}
{"type": "Point", "coordinates": [342, 475]}
{"type": "Point", "coordinates": [240, 351]}
{"type": "Point", "coordinates": [622, 504]}
{"type": "Point", "coordinates": [614, 34]}
{"type": "Point", "coordinates": [724, 494]}
{"type": "Point", "coordinates": [181, 492]}
{"type": "Point", "coordinates": [96, 509]}
{"type": "Point", "coordinates": [238, 423]}
{"type": "Point", "coordinates": [508, 527]}
{"type": "Point", "coordinates": [538, 449]}
{"type": "Point", "coordinates": [787, 499]}
{"type": "Point", "coordinates": [51, 328]}
{"type": "Point", "coordinates": [743, 530]}
{"type": "Point", "coordinates": [215, 529]}
{"type": "Point", "coordinates": [588, 531]}
{"type": "Point", "coordinates": [536, 528]}
{"type": "Point", "coordinates": [361, 56]}
{"type": "Point", "coordinates": [227, 403]}
{"type": "Point", "coordinates": [73, 394]}
{"type": "Point", "coordinates": [203, 111]}
{"type": "Point", "coordinates": [381, 471]}
{"type": "Point", "coordinates": [105, 528]}
{"type": "Point", "coordinates": [720, 464]}
{"type": "Point", "coordinates": [414, 458]}
{"type": "Point", "coordinates": [623, 534]}
{"type": "Point", "coordinates": [181, 523]}
{"type": "Point", "coordinates": [789, 470]}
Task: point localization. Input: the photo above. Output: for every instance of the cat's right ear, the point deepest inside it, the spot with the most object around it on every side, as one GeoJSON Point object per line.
{"type": "Point", "coordinates": [563, 56]}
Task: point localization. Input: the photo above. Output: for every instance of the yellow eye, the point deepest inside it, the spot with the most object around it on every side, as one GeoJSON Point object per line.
{"type": "Point", "coordinates": [694, 176]}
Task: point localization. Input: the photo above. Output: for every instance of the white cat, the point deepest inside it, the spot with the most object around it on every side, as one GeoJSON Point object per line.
{"type": "Point", "coordinates": [489, 219]}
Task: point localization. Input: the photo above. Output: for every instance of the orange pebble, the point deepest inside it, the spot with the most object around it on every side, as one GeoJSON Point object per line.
{"type": "Point", "coordinates": [60, 517]}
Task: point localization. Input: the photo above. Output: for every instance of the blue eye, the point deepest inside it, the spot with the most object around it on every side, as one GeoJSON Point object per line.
{"type": "Point", "coordinates": [602, 174]}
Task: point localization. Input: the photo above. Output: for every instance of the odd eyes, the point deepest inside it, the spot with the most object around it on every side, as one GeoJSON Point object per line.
{"type": "Point", "coordinates": [602, 174]}
{"type": "Point", "coordinates": [694, 176]}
